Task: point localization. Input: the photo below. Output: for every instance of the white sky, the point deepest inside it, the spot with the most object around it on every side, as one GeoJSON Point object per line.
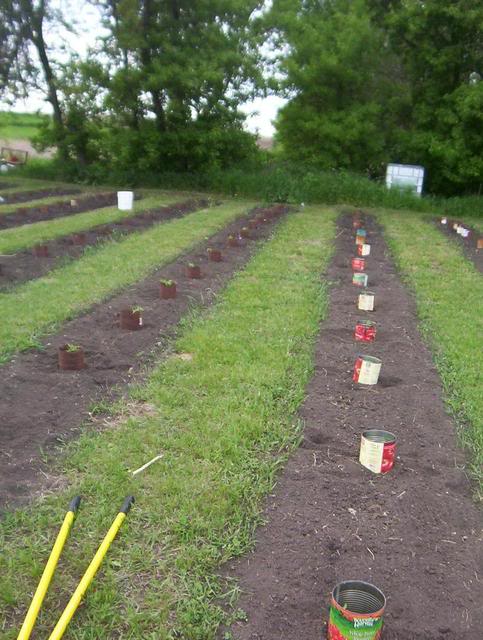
{"type": "Point", "coordinates": [261, 112]}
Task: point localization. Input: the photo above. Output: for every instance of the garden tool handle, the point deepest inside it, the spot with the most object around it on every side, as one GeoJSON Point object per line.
{"type": "Point", "coordinates": [48, 572]}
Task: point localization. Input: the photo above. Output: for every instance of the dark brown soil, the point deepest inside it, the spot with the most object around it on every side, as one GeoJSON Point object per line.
{"type": "Point", "coordinates": [468, 244]}
{"type": "Point", "coordinates": [24, 265]}
{"type": "Point", "coordinates": [6, 185]}
{"type": "Point", "coordinates": [26, 196]}
{"type": "Point", "coordinates": [415, 532]}
{"type": "Point", "coordinates": [62, 208]}
{"type": "Point", "coordinates": [41, 406]}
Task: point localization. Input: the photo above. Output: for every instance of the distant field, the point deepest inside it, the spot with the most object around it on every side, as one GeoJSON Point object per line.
{"type": "Point", "coordinates": [19, 126]}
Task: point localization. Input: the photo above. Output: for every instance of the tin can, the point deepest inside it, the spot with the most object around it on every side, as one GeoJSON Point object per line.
{"type": "Point", "coordinates": [366, 301]}
{"type": "Point", "coordinates": [444, 220]}
{"type": "Point", "coordinates": [363, 249]}
{"type": "Point", "coordinates": [366, 370]}
{"type": "Point", "coordinates": [356, 223]}
{"type": "Point", "coordinates": [356, 611]}
{"type": "Point", "coordinates": [361, 232]}
{"type": "Point", "coordinates": [359, 279]}
{"type": "Point", "coordinates": [358, 264]}
{"type": "Point", "coordinates": [360, 240]}
{"type": "Point", "coordinates": [455, 226]}
{"type": "Point", "coordinates": [365, 331]}
{"type": "Point", "coordinates": [378, 449]}
{"type": "Point", "coordinates": [479, 243]}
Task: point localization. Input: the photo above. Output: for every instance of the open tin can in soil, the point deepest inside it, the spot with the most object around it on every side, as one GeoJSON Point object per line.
{"type": "Point", "coordinates": [214, 255]}
{"type": "Point", "coordinates": [365, 331]}
{"type": "Point", "coordinates": [71, 359]}
{"type": "Point", "coordinates": [245, 232]}
{"type": "Point", "coordinates": [361, 233]}
{"type": "Point", "coordinates": [444, 220]}
{"type": "Point", "coordinates": [233, 241]}
{"type": "Point", "coordinates": [363, 249]}
{"type": "Point", "coordinates": [130, 319]}
{"type": "Point", "coordinates": [356, 611]}
{"type": "Point", "coordinates": [366, 370]}
{"type": "Point", "coordinates": [479, 243]}
{"type": "Point", "coordinates": [79, 239]}
{"type": "Point", "coordinates": [378, 449]}
{"type": "Point", "coordinates": [366, 301]}
{"type": "Point", "coordinates": [360, 279]}
{"type": "Point", "coordinates": [167, 291]}
{"type": "Point", "coordinates": [358, 264]}
{"type": "Point", "coordinates": [41, 251]}
{"type": "Point", "coordinates": [193, 272]}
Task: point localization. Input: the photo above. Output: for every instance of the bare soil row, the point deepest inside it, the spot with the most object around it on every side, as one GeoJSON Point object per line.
{"type": "Point", "coordinates": [41, 407]}
{"type": "Point", "coordinates": [38, 261]}
{"type": "Point", "coordinates": [37, 194]}
{"type": "Point", "coordinates": [414, 532]}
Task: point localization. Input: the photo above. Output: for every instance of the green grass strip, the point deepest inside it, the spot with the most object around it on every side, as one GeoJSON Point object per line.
{"type": "Point", "coordinates": [36, 308]}
{"type": "Point", "coordinates": [449, 294]}
{"type": "Point", "coordinates": [28, 235]}
{"type": "Point", "coordinates": [224, 422]}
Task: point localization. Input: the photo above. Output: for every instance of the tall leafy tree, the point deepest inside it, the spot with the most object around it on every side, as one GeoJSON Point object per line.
{"type": "Point", "coordinates": [343, 83]}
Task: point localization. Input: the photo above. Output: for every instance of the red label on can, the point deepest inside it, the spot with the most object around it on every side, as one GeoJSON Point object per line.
{"type": "Point", "coordinates": [358, 264]}
{"type": "Point", "coordinates": [388, 454]}
{"type": "Point", "coordinates": [365, 332]}
{"type": "Point", "coordinates": [357, 369]}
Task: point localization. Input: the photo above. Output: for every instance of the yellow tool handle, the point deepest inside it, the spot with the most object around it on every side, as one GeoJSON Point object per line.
{"type": "Point", "coordinates": [91, 571]}
{"type": "Point", "coordinates": [48, 572]}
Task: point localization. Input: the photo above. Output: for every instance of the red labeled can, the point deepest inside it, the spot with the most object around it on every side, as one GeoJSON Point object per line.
{"type": "Point", "coordinates": [356, 611]}
{"type": "Point", "coordinates": [358, 264]}
{"type": "Point", "coordinates": [365, 331]}
{"type": "Point", "coordinates": [378, 450]}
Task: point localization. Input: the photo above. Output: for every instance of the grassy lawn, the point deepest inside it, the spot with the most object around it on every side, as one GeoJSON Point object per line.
{"type": "Point", "coordinates": [25, 236]}
{"type": "Point", "coordinates": [37, 308]}
{"type": "Point", "coordinates": [449, 294]}
{"type": "Point", "coordinates": [224, 423]}
{"type": "Point", "coordinates": [19, 126]}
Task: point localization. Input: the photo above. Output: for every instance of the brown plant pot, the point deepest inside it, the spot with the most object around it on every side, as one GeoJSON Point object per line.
{"type": "Point", "coordinates": [245, 233]}
{"type": "Point", "coordinates": [233, 242]}
{"type": "Point", "coordinates": [253, 224]}
{"type": "Point", "coordinates": [41, 251]}
{"type": "Point", "coordinates": [479, 244]}
{"type": "Point", "coordinates": [167, 291]}
{"type": "Point", "coordinates": [214, 255]}
{"type": "Point", "coordinates": [193, 272]}
{"type": "Point", "coordinates": [22, 211]}
{"type": "Point", "coordinates": [130, 320]}
{"type": "Point", "coordinates": [44, 209]}
{"type": "Point", "coordinates": [79, 239]}
{"type": "Point", "coordinates": [71, 360]}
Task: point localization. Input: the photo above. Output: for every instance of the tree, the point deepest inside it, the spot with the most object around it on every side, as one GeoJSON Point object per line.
{"type": "Point", "coordinates": [343, 81]}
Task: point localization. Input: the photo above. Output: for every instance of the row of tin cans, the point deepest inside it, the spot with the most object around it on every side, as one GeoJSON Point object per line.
{"type": "Point", "coordinates": [356, 607]}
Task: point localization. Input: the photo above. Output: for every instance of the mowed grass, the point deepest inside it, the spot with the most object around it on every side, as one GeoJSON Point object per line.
{"type": "Point", "coordinates": [25, 236]}
{"type": "Point", "coordinates": [224, 421]}
{"type": "Point", "coordinates": [449, 296]}
{"type": "Point", "coordinates": [37, 308]}
{"type": "Point", "coordinates": [19, 126]}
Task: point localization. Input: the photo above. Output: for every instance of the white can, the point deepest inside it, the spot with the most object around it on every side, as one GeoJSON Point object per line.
{"type": "Point", "coordinates": [366, 249]}
{"type": "Point", "coordinates": [366, 370]}
{"type": "Point", "coordinates": [444, 220]}
{"type": "Point", "coordinates": [466, 233]}
{"type": "Point", "coordinates": [366, 301]}
{"type": "Point", "coordinates": [125, 200]}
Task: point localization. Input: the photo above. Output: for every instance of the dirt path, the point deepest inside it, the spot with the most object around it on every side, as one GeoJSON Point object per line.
{"type": "Point", "coordinates": [469, 244]}
{"type": "Point", "coordinates": [41, 406]}
{"type": "Point", "coordinates": [26, 265]}
{"type": "Point", "coordinates": [415, 532]}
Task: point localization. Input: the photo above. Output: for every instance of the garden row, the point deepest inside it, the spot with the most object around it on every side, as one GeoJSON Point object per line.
{"type": "Point", "coordinates": [43, 256]}
{"type": "Point", "coordinates": [32, 417]}
{"type": "Point", "coordinates": [469, 237]}
{"type": "Point", "coordinates": [412, 531]}
{"type": "Point", "coordinates": [216, 414]}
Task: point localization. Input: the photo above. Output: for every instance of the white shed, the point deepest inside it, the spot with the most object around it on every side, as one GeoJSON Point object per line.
{"type": "Point", "coordinates": [405, 176]}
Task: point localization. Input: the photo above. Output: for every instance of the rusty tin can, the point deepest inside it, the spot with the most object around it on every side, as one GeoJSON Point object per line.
{"type": "Point", "coordinates": [358, 264]}
{"type": "Point", "coordinates": [356, 611]}
{"type": "Point", "coordinates": [363, 249]}
{"type": "Point", "coordinates": [378, 450]}
{"type": "Point", "coordinates": [365, 331]}
{"type": "Point", "coordinates": [360, 279]}
{"type": "Point", "coordinates": [366, 301]}
{"type": "Point", "coordinates": [366, 370]}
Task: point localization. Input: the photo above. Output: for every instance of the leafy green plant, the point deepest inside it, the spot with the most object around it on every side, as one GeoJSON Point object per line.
{"type": "Point", "coordinates": [72, 348]}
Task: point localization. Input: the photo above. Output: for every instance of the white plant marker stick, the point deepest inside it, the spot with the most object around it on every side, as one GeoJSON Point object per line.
{"type": "Point", "coordinates": [148, 464]}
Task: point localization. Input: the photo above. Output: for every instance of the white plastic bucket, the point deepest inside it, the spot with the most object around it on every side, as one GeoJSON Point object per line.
{"type": "Point", "coordinates": [125, 200]}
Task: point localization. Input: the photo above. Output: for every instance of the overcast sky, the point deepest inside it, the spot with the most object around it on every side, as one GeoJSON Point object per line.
{"type": "Point", "coordinates": [261, 112]}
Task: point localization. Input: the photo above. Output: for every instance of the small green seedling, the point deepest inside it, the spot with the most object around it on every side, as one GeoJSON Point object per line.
{"type": "Point", "coordinates": [167, 283]}
{"type": "Point", "coordinates": [72, 348]}
{"type": "Point", "coordinates": [137, 309]}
